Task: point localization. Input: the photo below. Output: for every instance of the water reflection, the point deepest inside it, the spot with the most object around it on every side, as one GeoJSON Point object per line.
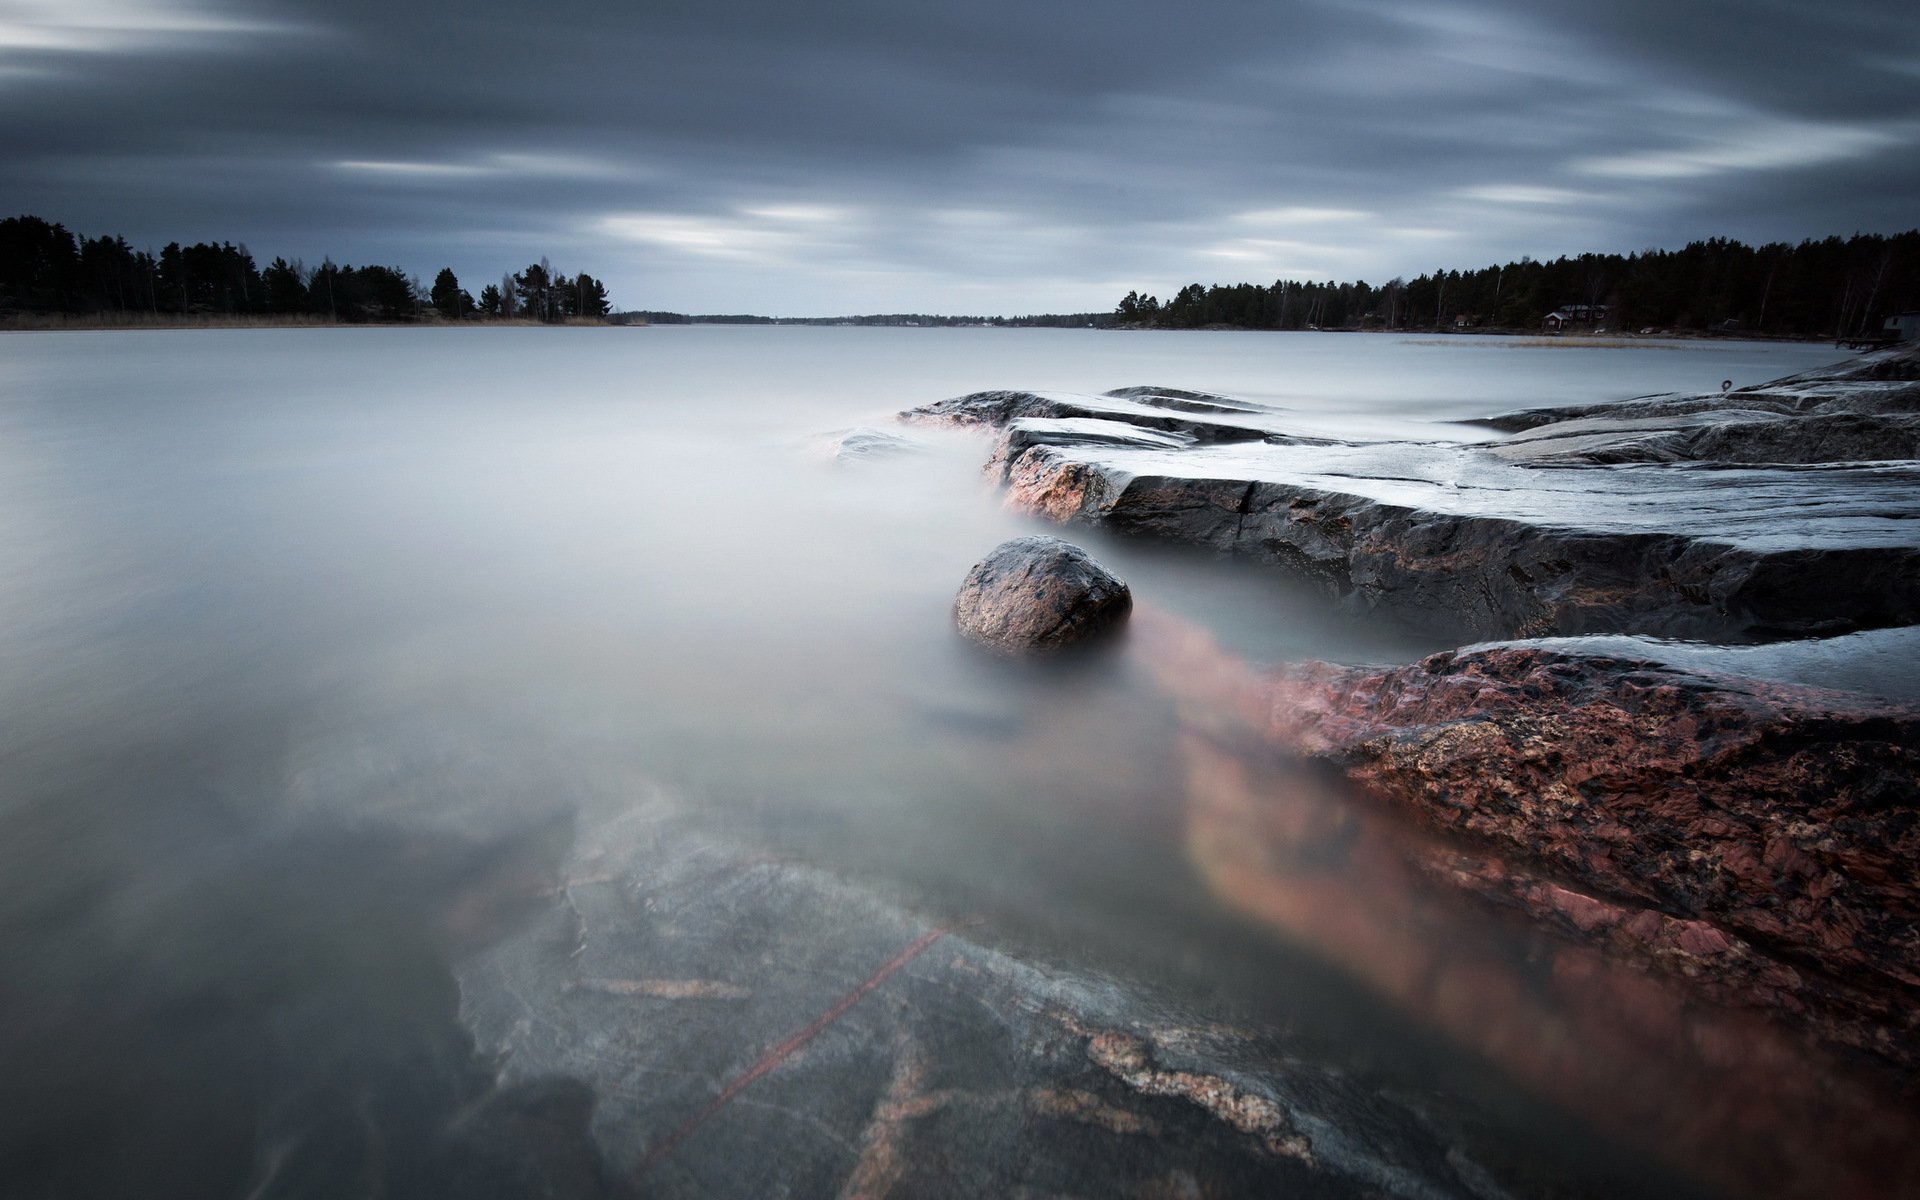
{"type": "Point", "coordinates": [1747, 1104]}
{"type": "Point", "coordinates": [306, 634]}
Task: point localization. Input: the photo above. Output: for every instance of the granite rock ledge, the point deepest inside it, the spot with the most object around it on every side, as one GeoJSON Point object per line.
{"type": "Point", "coordinates": [1787, 510]}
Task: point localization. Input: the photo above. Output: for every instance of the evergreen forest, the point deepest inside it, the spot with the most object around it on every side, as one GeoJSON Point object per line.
{"type": "Point", "coordinates": [1836, 287]}
{"type": "Point", "coordinates": [45, 268]}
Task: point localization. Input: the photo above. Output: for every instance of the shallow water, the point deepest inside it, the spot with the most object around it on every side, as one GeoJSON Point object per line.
{"type": "Point", "coordinates": [274, 602]}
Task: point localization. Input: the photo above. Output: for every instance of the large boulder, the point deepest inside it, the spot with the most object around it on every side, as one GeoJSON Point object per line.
{"type": "Point", "coordinates": [1753, 838]}
{"type": "Point", "coordinates": [1035, 595]}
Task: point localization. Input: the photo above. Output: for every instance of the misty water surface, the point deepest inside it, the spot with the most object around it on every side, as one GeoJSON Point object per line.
{"type": "Point", "coordinates": [262, 592]}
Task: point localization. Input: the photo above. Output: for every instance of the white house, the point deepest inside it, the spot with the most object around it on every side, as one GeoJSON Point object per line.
{"type": "Point", "coordinates": [1904, 326]}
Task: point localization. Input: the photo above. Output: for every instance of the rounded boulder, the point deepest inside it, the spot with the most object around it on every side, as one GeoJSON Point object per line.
{"type": "Point", "coordinates": [1035, 595]}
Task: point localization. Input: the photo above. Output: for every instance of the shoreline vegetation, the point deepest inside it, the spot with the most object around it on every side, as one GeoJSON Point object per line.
{"type": "Point", "coordinates": [1833, 289]}
{"type": "Point", "coordinates": [1840, 289]}
{"type": "Point", "coordinates": [46, 271]}
{"type": "Point", "coordinates": [1518, 339]}
{"type": "Point", "coordinates": [129, 321]}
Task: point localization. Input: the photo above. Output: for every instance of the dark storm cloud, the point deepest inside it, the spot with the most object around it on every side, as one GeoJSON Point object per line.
{"type": "Point", "coordinates": [986, 157]}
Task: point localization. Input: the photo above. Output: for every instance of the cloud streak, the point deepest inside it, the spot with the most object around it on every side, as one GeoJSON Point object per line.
{"type": "Point", "coordinates": [747, 155]}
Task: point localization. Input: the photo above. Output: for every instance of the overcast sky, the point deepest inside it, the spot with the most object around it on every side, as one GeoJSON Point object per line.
{"type": "Point", "coordinates": [981, 157]}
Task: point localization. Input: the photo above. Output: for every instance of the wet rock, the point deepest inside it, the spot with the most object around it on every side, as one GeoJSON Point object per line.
{"type": "Point", "coordinates": [1878, 662]}
{"type": "Point", "coordinates": [991, 408]}
{"type": "Point", "coordinates": [1875, 383]}
{"type": "Point", "coordinates": [1184, 400]}
{"type": "Point", "coordinates": [1441, 536]}
{"type": "Point", "coordinates": [1899, 364]}
{"type": "Point", "coordinates": [1752, 1105]}
{"type": "Point", "coordinates": [1790, 510]}
{"type": "Point", "coordinates": [860, 1051]}
{"type": "Point", "coordinates": [1780, 815]}
{"type": "Point", "coordinates": [1024, 433]}
{"type": "Point", "coordinates": [1036, 595]}
{"type": "Point", "coordinates": [1749, 837]}
{"type": "Point", "coordinates": [1200, 418]}
{"type": "Point", "coordinates": [1721, 436]}
{"type": "Point", "coordinates": [866, 444]}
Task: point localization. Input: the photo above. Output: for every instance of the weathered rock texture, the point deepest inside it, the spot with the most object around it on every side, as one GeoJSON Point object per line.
{"type": "Point", "coordinates": [1194, 415]}
{"type": "Point", "coordinates": [1711, 874]}
{"type": "Point", "coordinates": [752, 1026]}
{"type": "Point", "coordinates": [1720, 435]}
{"type": "Point", "coordinates": [1038, 595]}
{"type": "Point", "coordinates": [1750, 1105]}
{"type": "Point", "coordinates": [1753, 838]}
{"type": "Point", "coordinates": [1784, 511]}
{"type": "Point", "coordinates": [1878, 383]}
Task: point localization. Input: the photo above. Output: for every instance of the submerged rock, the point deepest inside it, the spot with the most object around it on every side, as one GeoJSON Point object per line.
{"type": "Point", "coordinates": [1751, 838]}
{"type": "Point", "coordinates": [1037, 595]}
{"type": "Point", "coordinates": [754, 1026]}
{"type": "Point", "coordinates": [1570, 1006]}
{"type": "Point", "coordinates": [867, 443]}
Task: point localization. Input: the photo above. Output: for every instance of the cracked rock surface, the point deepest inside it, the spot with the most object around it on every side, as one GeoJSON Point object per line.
{"type": "Point", "coordinates": [752, 1026]}
{"type": "Point", "coordinates": [1788, 510]}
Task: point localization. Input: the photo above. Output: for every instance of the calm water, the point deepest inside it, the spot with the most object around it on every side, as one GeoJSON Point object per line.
{"type": "Point", "coordinates": [263, 592]}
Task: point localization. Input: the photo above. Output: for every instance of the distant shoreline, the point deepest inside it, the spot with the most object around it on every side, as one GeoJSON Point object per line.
{"type": "Point", "coordinates": [136, 322]}
{"type": "Point", "coordinates": [165, 322]}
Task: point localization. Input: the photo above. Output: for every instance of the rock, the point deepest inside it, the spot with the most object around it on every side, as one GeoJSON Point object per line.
{"type": "Point", "coordinates": [1789, 510]}
{"type": "Point", "coordinates": [1877, 662]}
{"type": "Point", "coordinates": [745, 1023]}
{"type": "Point", "coordinates": [1024, 433]}
{"type": "Point", "coordinates": [1874, 384]}
{"type": "Point", "coordinates": [1750, 1104]}
{"type": "Point", "coordinates": [1782, 815]}
{"type": "Point", "coordinates": [1737, 436]}
{"type": "Point", "coordinates": [748, 1025]}
{"type": "Point", "coordinates": [1898, 364]}
{"type": "Point", "coordinates": [1445, 537]}
{"type": "Point", "coordinates": [1188, 401]}
{"type": "Point", "coordinates": [867, 443]}
{"type": "Point", "coordinates": [1190, 414]}
{"type": "Point", "coordinates": [1037, 595]}
{"type": "Point", "coordinates": [1749, 837]}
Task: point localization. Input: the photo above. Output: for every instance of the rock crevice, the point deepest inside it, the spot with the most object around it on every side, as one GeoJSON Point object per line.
{"type": "Point", "coordinates": [1791, 510]}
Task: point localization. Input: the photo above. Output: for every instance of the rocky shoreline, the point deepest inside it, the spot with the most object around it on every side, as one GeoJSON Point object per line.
{"type": "Point", "coordinates": [1749, 839]}
{"type": "Point", "coordinates": [1691, 816]}
{"type": "Point", "coordinates": [744, 1024]}
{"type": "Point", "coordinates": [1663, 889]}
{"type": "Point", "coordinates": [1603, 519]}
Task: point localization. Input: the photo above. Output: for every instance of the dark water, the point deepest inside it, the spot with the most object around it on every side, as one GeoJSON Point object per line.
{"type": "Point", "coordinates": [319, 647]}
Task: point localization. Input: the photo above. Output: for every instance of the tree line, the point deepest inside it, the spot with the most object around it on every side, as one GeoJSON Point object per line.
{"type": "Point", "coordinates": [45, 268]}
{"type": "Point", "coordinates": [1836, 287]}
{"type": "Point", "coordinates": [1100, 320]}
